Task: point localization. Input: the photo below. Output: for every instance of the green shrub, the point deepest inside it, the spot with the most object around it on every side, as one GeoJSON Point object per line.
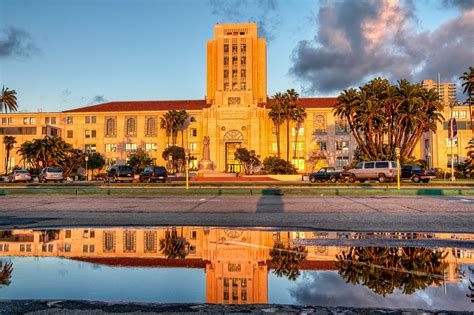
{"type": "Point", "coordinates": [275, 165]}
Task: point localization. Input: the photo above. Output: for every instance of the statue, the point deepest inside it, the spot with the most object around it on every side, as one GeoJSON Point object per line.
{"type": "Point", "coordinates": [206, 164]}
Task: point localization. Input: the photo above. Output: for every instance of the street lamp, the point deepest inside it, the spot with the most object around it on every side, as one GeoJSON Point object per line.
{"type": "Point", "coordinates": [186, 159]}
{"type": "Point", "coordinates": [87, 175]}
{"type": "Point", "coordinates": [397, 155]}
{"type": "Point", "coordinates": [452, 129]}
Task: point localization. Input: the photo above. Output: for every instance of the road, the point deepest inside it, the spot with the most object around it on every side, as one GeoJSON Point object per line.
{"type": "Point", "coordinates": [343, 213]}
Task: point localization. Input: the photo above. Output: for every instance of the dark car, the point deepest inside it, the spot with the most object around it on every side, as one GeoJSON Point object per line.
{"type": "Point", "coordinates": [154, 174]}
{"type": "Point", "coordinates": [328, 174]}
{"type": "Point", "coordinates": [417, 173]}
{"type": "Point", "coordinates": [120, 173]}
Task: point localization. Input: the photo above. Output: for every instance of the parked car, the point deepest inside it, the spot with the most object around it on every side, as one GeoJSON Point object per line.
{"type": "Point", "coordinates": [382, 171]}
{"type": "Point", "coordinates": [328, 174]}
{"type": "Point", "coordinates": [417, 173]}
{"type": "Point", "coordinates": [153, 174]}
{"type": "Point", "coordinates": [19, 176]}
{"type": "Point", "coordinates": [51, 174]}
{"type": "Point", "coordinates": [120, 173]}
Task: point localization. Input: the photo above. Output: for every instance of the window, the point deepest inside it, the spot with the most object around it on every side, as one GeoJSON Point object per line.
{"type": "Point", "coordinates": [226, 47]}
{"type": "Point", "coordinates": [130, 147]}
{"type": "Point", "coordinates": [234, 60]}
{"type": "Point", "coordinates": [383, 165]}
{"type": "Point", "coordinates": [53, 120]}
{"type": "Point", "coordinates": [131, 127]}
{"type": "Point", "coordinates": [243, 60]}
{"type": "Point", "coordinates": [4, 120]}
{"type": "Point", "coordinates": [10, 120]}
{"type": "Point", "coordinates": [69, 133]}
{"type": "Point", "coordinates": [88, 119]}
{"type": "Point", "coordinates": [193, 146]}
{"type": "Point", "coordinates": [462, 114]}
{"type": "Point", "coordinates": [193, 235]}
{"type": "Point", "coordinates": [274, 146]}
{"type": "Point", "coordinates": [298, 163]}
{"type": "Point", "coordinates": [109, 242]}
{"type": "Point", "coordinates": [194, 132]}
{"type": "Point", "coordinates": [150, 146]}
{"type": "Point", "coordinates": [150, 241]}
{"type": "Point", "coordinates": [342, 161]}
{"type": "Point", "coordinates": [47, 120]}
{"type": "Point", "coordinates": [341, 127]}
{"type": "Point", "coordinates": [129, 241]}
{"type": "Point", "coordinates": [110, 127]}
{"type": "Point", "coordinates": [91, 248]}
{"type": "Point", "coordinates": [150, 126]}
{"type": "Point", "coordinates": [234, 73]}
{"type": "Point", "coordinates": [453, 143]}
{"type": "Point", "coordinates": [85, 248]}
{"type": "Point", "coordinates": [300, 131]}
{"type": "Point", "coordinates": [242, 47]}
{"type": "Point", "coordinates": [69, 120]}
{"type": "Point", "coordinates": [90, 148]}
{"type": "Point", "coordinates": [90, 134]}
{"type": "Point", "coordinates": [110, 147]}
{"type": "Point", "coordinates": [342, 145]}
{"type": "Point", "coordinates": [226, 73]}
{"type": "Point", "coordinates": [67, 248]}
{"type": "Point", "coordinates": [226, 86]}
{"type": "Point", "coordinates": [298, 146]}
{"type": "Point", "coordinates": [25, 120]}
{"type": "Point", "coordinates": [226, 61]}
{"type": "Point", "coordinates": [91, 119]}
{"type": "Point", "coordinates": [68, 234]}
{"type": "Point", "coordinates": [235, 48]}
{"type": "Point", "coordinates": [319, 123]}
{"type": "Point", "coordinates": [234, 85]}
{"type": "Point", "coordinates": [321, 145]}
{"type": "Point", "coordinates": [455, 160]}
{"type": "Point", "coordinates": [32, 121]}
{"type": "Point", "coordinates": [242, 73]}
{"type": "Point", "coordinates": [455, 114]}
{"type": "Point", "coordinates": [369, 165]}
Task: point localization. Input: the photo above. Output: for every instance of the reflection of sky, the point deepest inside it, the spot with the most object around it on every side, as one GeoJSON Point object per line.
{"type": "Point", "coordinates": [56, 278]}
{"type": "Point", "coordinates": [59, 278]}
{"type": "Point", "coordinates": [327, 288]}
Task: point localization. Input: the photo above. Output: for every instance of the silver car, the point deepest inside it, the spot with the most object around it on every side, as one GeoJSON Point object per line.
{"type": "Point", "coordinates": [19, 176]}
{"type": "Point", "coordinates": [51, 174]}
{"type": "Point", "coordinates": [382, 171]}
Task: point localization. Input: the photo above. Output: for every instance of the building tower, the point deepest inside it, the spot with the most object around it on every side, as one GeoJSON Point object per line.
{"type": "Point", "coordinates": [447, 91]}
{"type": "Point", "coordinates": [236, 86]}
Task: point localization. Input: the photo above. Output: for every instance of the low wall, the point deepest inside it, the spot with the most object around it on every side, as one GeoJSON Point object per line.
{"type": "Point", "coordinates": [296, 177]}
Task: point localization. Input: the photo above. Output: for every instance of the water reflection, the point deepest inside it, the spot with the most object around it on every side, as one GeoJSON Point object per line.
{"type": "Point", "coordinates": [237, 265]}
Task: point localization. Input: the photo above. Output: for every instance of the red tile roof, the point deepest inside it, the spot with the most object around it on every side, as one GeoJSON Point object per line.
{"type": "Point", "coordinates": [142, 106]}
{"type": "Point", "coordinates": [310, 102]}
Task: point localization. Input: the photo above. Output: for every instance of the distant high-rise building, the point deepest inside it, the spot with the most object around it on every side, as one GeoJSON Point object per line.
{"type": "Point", "coordinates": [447, 91]}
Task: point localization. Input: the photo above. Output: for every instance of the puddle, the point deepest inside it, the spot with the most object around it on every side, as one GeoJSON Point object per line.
{"type": "Point", "coordinates": [239, 266]}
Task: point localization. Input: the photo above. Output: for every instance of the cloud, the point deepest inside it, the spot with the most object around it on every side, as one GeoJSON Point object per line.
{"type": "Point", "coordinates": [263, 12]}
{"type": "Point", "coordinates": [358, 40]}
{"type": "Point", "coordinates": [461, 4]}
{"type": "Point", "coordinates": [98, 99]}
{"type": "Point", "coordinates": [15, 42]}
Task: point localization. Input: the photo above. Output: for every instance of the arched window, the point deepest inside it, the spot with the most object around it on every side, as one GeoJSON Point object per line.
{"type": "Point", "coordinates": [320, 124]}
{"type": "Point", "coordinates": [151, 126]}
{"type": "Point", "coordinates": [131, 127]}
{"type": "Point", "coordinates": [110, 127]}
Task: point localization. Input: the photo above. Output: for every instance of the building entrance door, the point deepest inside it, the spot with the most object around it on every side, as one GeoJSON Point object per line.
{"type": "Point", "coordinates": [232, 165]}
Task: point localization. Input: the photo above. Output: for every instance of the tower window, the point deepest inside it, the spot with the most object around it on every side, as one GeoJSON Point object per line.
{"type": "Point", "coordinates": [243, 47]}
{"type": "Point", "coordinates": [235, 48]}
{"type": "Point", "coordinates": [226, 47]}
{"type": "Point", "coordinates": [243, 60]}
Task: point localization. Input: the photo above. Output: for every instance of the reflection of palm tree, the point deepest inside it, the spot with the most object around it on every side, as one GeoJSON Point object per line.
{"type": "Point", "coordinates": [6, 269]}
{"type": "Point", "coordinates": [384, 269]}
{"type": "Point", "coordinates": [287, 259]}
{"type": "Point", "coordinates": [174, 246]}
{"type": "Point", "coordinates": [49, 235]}
{"type": "Point", "coordinates": [471, 286]}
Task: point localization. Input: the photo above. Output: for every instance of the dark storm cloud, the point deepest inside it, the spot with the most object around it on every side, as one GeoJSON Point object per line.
{"type": "Point", "coordinates": [358, 40]}
{"type": "Point", "coordinates": [327, 288]}
{"type": "Point", "coordinates": [461, 4]}
{"type": "Point", "coordinates": [15, 42]}
{"type": "Point", "coordinates": [263, 12]}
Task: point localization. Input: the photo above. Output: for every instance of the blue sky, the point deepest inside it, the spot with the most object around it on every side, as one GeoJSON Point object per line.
{"type": "Point", "coordinates": [65, 54]}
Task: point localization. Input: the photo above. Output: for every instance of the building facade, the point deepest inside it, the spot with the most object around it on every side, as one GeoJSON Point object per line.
{"type": "Point", "coordinates": [233, 114]}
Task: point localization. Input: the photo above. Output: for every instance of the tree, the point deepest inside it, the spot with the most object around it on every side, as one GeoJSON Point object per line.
{"type": "Point", "coordinates": [178, 156]}
{"type": "Point", "coordinates": [9, 142]}
{"type": "Point", "coordinates": [276, 114]}
{"type": "Point", "coordinates": [287, 259]}
{"type": "Point", "coordinates": [8, 100]}
{"type": "Point", "coordinates": [96, 162]}
{"type": "Point", "coordinates": [248, 159]}
{"type": "Point", "coordinates": [468, 89]}
{"type": "Point", "coordinates": [174, 246]}
{"type": "Point", "coordinates": [298, 116]}
{"type": "Point", "coordinates": [275, 165]}
{"type": "Point", "coordinates": [139, 160]}
{"type": "Point", "coordinates": [6, 270]}
{"type": "Point", "coordinates": [289, 105]}
{"type": "Point", "coordinates": [382, 117]}
{"type": "Point", "coordinates": [73, 160]}
{"type": "Point", "coordinates": [183, 119]}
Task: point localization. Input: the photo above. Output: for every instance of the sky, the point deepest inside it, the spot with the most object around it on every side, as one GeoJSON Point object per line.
{"type": "Point", "coordinates": [63, 54]}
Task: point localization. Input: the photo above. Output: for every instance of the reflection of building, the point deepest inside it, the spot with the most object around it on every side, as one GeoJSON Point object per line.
{"type": "Point", "coordinates": [237, 262]}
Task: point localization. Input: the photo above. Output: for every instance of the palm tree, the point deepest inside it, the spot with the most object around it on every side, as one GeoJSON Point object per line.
{"type": "Point", "coordinates": [287, 259]}
{"type": "Point", "coordinates": [468, 85]}
{"type": "Point", "coordinates": [183, 119]}
{"type": "Point", "coordinates": [289, 105]}
{"type": "Point", "coordinates": [169, 123]}
{"type": "Point", "coordinates": [6, 269]}
{"type": "Point", "coordinates": [9, 142]}
{"type": "Point", "coordinates": [174, 246]}
{"type": "Point", "coordinates": [8, 100]}
{"type": "Point", "coordinates": [276, 114]}
{"type": "Point", "coordinates": [298, 116]}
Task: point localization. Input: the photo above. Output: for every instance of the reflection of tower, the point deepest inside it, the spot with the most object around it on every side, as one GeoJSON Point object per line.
{"type": "Point", "coordinates": [237, 273]}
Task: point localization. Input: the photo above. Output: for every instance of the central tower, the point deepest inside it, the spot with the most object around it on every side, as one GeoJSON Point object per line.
{"type": "Point", "coordinates": [236, 66]}
{"type": "Point", "coordinates": [236, 91]}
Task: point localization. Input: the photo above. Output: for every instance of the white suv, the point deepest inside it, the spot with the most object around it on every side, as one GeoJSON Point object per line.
{"type": "Point", "coordinates": [382, 170]}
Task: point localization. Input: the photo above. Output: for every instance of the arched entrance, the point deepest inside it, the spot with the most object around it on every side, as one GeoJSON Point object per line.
{"type": "Point", "coordinates": [232, 139]}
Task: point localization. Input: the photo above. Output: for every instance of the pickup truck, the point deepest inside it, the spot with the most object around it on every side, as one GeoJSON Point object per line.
{"type": "Point", "coordinates": [417, 174]}
{"type": "Point", "coordinates": [327, 174]}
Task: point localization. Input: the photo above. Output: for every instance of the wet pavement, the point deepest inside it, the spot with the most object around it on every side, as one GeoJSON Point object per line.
{"type": "Point", "coordinates": [191, 268]}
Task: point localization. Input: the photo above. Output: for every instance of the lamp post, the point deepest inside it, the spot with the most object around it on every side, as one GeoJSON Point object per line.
{"type": "Point", "coordinates": [397, 155]}
{"type": "Point", "coordinates": [452, 123]}
{"type": "Point", "coordinates": [186, 159]}
{"type": "Point", "coordinates": [87, 174]}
